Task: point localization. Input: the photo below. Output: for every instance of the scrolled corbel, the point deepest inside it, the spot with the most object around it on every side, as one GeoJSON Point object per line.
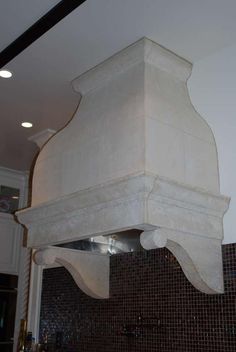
{"type": "Point", "coordinates": [199, 257]}
{"type": "Point", "coordinates": [89, 270]}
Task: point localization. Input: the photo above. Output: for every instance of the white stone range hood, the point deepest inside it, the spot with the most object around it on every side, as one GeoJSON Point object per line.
{"type": "Point", "coordinates": [136, 155]}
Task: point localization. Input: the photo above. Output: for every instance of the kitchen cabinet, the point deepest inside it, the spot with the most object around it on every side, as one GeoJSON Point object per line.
{"type": "Point", "coordinates": [10, 242]}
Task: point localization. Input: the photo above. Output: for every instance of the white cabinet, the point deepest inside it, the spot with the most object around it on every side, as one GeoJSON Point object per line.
{"type": "Point", "coordinates": [10, 242]}
{"type": "Point", "coordinates": [14, 258]}
{"type": "Point", "coordinates": [11, 233]}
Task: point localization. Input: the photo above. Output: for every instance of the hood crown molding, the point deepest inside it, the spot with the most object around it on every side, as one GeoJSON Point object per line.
{"type": "Point", "coordinates": [143, 51]}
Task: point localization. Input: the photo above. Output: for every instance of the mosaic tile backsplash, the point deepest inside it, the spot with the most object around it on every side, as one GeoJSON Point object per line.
{"type": "Point", "coordinates": [152, 308]}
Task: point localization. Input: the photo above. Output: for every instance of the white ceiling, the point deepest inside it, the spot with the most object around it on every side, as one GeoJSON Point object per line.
{"type": "Point", "coordinates": [17, 16]}
{"type": "Point", "coordinates": [40, 90]}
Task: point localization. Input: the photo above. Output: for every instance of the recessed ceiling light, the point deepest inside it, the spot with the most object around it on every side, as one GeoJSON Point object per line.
{"type": "Point", "coordinates": [5, 74]}
{"type": "Point", "coordinates": [27, 124]}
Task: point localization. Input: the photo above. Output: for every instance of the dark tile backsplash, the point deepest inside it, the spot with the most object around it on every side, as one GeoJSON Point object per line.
{"type": "Point", "coordinates": [152, 308]}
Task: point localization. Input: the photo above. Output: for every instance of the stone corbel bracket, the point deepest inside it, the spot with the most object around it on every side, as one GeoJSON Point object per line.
{"type": "Point", "coordinates": [89, 270]}
{"type": "Point", "coordinates": [200, 259]}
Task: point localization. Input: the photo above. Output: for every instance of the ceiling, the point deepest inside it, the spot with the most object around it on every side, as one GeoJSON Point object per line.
{"type": "Point", "coordinates": [40, 90]}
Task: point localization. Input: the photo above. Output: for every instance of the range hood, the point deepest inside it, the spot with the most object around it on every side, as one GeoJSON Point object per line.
{"type": "Point", "coordinates": [136, 163]}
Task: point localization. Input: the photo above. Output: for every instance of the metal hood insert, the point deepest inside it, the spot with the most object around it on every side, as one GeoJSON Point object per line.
{"type": "Point", "coordinates": [136, 160]}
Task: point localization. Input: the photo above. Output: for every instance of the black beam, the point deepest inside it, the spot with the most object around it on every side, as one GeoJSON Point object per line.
{"type": "Point", "coordinates": [50, 19]}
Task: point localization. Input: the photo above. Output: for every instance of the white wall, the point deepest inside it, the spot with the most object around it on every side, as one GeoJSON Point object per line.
{"type": "Point", "coordinates": [213, 93]}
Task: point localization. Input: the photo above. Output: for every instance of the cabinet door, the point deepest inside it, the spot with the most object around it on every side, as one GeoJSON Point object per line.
{"type": "Point", "coordinates": [10, 242]}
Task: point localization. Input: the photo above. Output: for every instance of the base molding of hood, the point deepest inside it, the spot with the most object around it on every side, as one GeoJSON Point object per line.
{"type": "Point", "coordinates": [186, 220]}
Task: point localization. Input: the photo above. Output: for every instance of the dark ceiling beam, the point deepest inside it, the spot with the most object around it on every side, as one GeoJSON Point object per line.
{"type": "Point", "coordinates": [50, 19]}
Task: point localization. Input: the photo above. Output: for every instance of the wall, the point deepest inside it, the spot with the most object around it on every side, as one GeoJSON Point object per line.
{"type": "Point", "coordinates": [212, 91]}
{"type": "Point", "coordinates": [175, 316]}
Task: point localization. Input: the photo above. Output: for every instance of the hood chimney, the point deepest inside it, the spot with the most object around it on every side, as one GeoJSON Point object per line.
{"type": "Point", "coordinates": [135, 157]}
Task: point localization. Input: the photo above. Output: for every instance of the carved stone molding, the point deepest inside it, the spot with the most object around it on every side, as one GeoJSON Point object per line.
{"type": "Point", "coordinates": [90, 271]}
